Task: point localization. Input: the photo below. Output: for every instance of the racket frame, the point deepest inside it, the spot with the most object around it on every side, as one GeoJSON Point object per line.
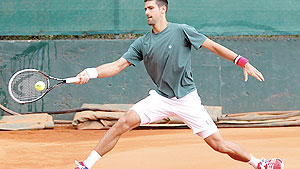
{"type": "Point", "coordinates": [48, 88]}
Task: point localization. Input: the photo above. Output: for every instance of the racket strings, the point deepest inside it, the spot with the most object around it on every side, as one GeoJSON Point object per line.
{"type": "Point", "coordinates": [23, 86]}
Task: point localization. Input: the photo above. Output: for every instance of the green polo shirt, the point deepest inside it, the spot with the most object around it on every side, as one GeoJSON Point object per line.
{"type": "Point", "coordinates": [167, 58]}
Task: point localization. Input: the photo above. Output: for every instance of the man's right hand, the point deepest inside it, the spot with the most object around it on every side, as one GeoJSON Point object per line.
{"type": "Point", "coordinates": [83, 77]}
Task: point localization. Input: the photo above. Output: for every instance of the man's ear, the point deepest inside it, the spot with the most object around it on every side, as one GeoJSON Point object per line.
{"type": "Point", "coordinates": [163, 9]}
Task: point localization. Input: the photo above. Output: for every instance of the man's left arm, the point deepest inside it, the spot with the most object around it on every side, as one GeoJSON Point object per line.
{"type": "Point", "coordinates": [226, 53]}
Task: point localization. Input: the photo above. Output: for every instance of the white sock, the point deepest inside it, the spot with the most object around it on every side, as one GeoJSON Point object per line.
{"type": "Point", "coordinates": [92, 159]}
{"type": "Point", "coordinates": [254, 161]}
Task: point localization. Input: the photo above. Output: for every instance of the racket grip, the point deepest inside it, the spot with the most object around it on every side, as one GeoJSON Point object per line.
{"type": "Point", "coordinates": [72, 80]}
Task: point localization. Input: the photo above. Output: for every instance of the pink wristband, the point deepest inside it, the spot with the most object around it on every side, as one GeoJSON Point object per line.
{"type": "Point", "coordinates": [242, 62]}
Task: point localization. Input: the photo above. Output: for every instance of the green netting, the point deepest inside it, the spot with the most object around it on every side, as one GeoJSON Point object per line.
{"type": "Point", "coordinates": [214, 17]}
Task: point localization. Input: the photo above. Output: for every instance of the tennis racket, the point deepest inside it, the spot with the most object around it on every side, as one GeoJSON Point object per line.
{"type": "Point", "coordinates": [22, 85]}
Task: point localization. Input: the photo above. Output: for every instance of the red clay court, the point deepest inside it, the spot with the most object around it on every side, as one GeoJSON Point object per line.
{"type": "Point", "coordinates": [144, 148]}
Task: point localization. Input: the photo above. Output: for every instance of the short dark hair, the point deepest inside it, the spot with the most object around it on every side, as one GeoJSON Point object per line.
{"type": "Point", "coordinates": [160, 3]}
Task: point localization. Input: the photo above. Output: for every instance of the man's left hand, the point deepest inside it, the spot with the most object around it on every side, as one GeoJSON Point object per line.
{"type": "Point", "coordinates": [252, 71]}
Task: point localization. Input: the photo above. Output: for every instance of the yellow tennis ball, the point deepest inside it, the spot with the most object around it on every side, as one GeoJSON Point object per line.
{"type": "Point", "coordinates": [40, 85]}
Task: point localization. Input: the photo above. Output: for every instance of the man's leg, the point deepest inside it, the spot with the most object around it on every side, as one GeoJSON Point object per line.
{"type": "Point", "coordinates": [235, 151]}
{"type": "Point", "coordinates": [191, 111]}
{"type": "Point", "coordinates": [129, 121]}
{"type": "Point", "coordinates": [149, 109]}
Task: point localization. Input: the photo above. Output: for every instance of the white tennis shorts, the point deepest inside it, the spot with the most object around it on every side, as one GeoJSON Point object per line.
{"type": "Point", "coordinates": [188, 109]}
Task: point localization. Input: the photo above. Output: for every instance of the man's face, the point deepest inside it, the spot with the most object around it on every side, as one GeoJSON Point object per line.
{"type": "Point", "coordinates": [153, 12]}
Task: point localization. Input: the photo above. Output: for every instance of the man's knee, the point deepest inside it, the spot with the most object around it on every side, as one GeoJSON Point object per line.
{"type": "Point", "coordinates": [217, 143]}
{"type": "Point", "coordinates": [222, 147]}
{"type": "Point", "coordinates": [130, 120]}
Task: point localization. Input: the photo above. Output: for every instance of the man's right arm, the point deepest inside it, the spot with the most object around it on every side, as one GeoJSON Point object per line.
{"type": "Point", "coordinates": [105, 70]}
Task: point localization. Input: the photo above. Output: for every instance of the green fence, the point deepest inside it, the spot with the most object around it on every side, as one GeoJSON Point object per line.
{"type": "Point", "coordinates": [219, 82]}
{"type": "Point", "coordinates": [213, 17]}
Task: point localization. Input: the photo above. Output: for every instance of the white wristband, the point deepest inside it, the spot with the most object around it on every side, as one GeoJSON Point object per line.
{"type": "Point", "coordinates": [237, 59]}
{"type": "Point", "coordinates": [92, 72]}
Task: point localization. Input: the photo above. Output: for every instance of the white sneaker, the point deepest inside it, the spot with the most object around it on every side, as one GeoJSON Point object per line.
{"type": "Point", "coordinates": [274, 163]}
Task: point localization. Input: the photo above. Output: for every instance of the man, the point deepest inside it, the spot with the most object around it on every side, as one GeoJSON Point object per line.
{"type": "Point", "coordinates": [166, 52]}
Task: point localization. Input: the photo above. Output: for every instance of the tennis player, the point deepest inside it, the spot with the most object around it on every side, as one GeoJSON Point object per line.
{"type": "Point", "coordinates": [166, 52]}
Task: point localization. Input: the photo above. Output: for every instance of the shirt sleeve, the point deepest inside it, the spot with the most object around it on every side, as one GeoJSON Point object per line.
{"type": "Point", "coordinates": [134, 52]}
{"type": "Point", "coordinates": [195, 38]}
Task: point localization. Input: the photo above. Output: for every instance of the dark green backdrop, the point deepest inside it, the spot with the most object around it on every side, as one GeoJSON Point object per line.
{"type": "Point", "coordinates": [219, 82]}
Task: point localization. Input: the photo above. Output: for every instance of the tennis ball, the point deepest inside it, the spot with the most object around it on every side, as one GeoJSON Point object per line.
{"type": "Point", "coordinates": [39, 86]}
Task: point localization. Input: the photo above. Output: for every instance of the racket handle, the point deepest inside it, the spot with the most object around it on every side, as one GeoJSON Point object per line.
{"type": "Point", "coordinates": [72, 80]}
